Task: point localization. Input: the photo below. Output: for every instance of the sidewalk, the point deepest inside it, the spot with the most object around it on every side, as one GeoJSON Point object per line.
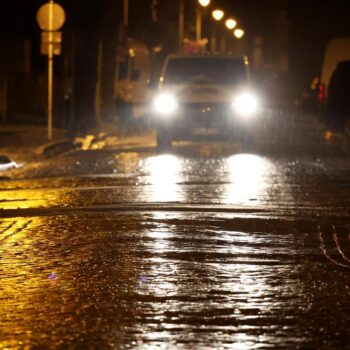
{"type": "Point", "coordinates": [20, 142]}
{"type": "Point", "coordinates": [26, 143]}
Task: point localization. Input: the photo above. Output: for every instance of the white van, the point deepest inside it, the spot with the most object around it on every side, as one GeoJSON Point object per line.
{"type": "Point", "coordinates": [203, 96]}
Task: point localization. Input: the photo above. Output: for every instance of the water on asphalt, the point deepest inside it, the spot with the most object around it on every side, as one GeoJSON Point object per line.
{"type": "Point", "coordinates": [106, 250]}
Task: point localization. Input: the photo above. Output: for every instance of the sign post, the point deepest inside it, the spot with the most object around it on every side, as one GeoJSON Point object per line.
{"type": "Point", "coordinates": [50, 18]}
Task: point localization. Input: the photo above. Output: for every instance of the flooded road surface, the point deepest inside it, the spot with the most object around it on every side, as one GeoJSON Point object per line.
{"type": "Point", "coordinates": [109, 250]}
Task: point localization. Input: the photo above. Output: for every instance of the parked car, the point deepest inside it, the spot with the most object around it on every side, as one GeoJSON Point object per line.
{"type": "Point", "coordinates": [203, 96]}
{"type": "Point", "coordinates": [338, 99]}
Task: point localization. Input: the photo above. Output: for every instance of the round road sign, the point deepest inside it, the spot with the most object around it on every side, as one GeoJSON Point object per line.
{"type": "Point", "coordinates": [51, 17]}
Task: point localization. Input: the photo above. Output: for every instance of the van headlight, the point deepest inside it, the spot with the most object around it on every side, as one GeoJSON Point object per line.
{"type": "Point", "coordinates": [245, 104]}
{"type": "Point", "coordinates": [165, 104]}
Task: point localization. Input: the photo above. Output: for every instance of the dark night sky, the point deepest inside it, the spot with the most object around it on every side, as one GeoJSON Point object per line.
{"type": "Point", "coordinates": [312, 22]}
{"type": "Point", "coordinates": [18, 17]}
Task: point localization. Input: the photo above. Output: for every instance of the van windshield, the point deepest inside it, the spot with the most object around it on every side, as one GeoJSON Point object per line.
{"type": "Point", "coordinates": [223, 71]}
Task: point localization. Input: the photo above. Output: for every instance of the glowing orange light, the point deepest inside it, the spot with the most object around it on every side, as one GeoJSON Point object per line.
{"type": "Point", "coordinates": [218, 15]}
{"type": "Point", "coordinates": [204, 3]}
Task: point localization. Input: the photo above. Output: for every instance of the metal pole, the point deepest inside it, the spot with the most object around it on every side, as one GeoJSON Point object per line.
{"type": "Point", "coordinates": [126, 13]}
{"type": "Point", "coordinates": [198, 24]}
{"type": "Point", "coordinates": [50, 94]}
{"type": "Point", "coordinates": [213, 38]}
{"type": "Point", "coordinates": [50, 76]}
{"type": "Point", "coordinates": [154, 11]}
{"type": "Point", "coordinates": [98, 92]}
{"type": "Point", "coordinates": [181, 24]}
{"type": "Point", "coordinates": [223, 41]}
{"type": "Point", "coordinates": [5, 100]}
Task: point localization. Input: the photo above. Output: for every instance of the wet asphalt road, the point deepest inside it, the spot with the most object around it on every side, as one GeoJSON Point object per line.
{"type": "Point", "coordinates": [200, 249]}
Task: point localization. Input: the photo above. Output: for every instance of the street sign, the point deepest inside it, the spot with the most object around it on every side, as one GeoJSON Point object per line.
{"type": "Point", "coordinates": [51, 16]}
{"type": "Point", "coordinates": [51, 37]}
{"type": "Point", "coordinates": [56, 49]}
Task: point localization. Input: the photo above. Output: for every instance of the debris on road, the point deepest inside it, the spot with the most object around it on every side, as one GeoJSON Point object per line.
{"type": "Point", "coordinates": [6, 163]}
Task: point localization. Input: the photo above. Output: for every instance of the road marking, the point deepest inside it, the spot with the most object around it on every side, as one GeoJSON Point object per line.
{"type": "Point", "coordinates": [336, 240]}
{"type": "Point", "coordinates": [324, 250]}
{"type": "Point", "coordinates": [8, 232]}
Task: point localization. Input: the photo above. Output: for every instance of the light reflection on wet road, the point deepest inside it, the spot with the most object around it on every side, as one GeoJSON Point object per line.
{"type": "Point", "coordinates": [244, 180]}
{"type": "Point", "coordinates": [173, 251]}
{"type": "Point", "coordinates": [241, 179]}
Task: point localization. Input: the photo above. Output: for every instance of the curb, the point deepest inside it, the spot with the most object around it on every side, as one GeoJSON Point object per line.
{"type": "Point", "coordinates": [57, 147]}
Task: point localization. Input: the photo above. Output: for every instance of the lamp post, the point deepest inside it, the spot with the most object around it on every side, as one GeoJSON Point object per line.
{"type": "Point", "coordinates": [239, 34]}
{"type": "Point", "coordinates": [230, 25]}
{"type": "Point", "coordinates": [126, 13]}
{"type": "Point", "coordinates": [154, 11]}
{"type": "Point", "coordinates": [201, 3]}
{"type": "Point", "coordinates": [181, 23]}
{"type": "Point", "coordinates": [122, 40]}
{"type": "Point", "coordinates": [218, 15]}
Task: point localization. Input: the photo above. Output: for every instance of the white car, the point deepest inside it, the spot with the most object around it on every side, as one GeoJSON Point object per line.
{"type": "Point", "coordinates": [203, 96]}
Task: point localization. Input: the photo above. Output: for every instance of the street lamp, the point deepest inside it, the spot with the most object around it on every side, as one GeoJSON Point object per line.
{"type": "Point", "coordinates": [231, 23]}
{"type": "Point", "coordinates": [218, 15]}
{"type": "Point", "coordinates": [239, 33]}
{"type": "Point", "coordinates": [203, 3]}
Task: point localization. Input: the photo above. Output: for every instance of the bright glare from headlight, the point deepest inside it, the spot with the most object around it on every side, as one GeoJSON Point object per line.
{"type": "Point", "coordinates": [245, 104]}
{"type": "Point", "coordinates": [165, 104]}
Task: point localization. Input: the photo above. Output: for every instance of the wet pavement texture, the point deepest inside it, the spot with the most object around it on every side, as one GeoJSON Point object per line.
{"type": "Point", "coordinates": [203, 249]}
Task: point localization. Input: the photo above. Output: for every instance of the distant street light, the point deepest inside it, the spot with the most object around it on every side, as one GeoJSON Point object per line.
{"type": "Point", "coordinates": [239, 33]}
{"type": "Point", "coordinates": [204, 3]}
{"type": "Point", "coordinates": [231, 23]}
{"type": "Point", "coordinates": [218, 15]}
